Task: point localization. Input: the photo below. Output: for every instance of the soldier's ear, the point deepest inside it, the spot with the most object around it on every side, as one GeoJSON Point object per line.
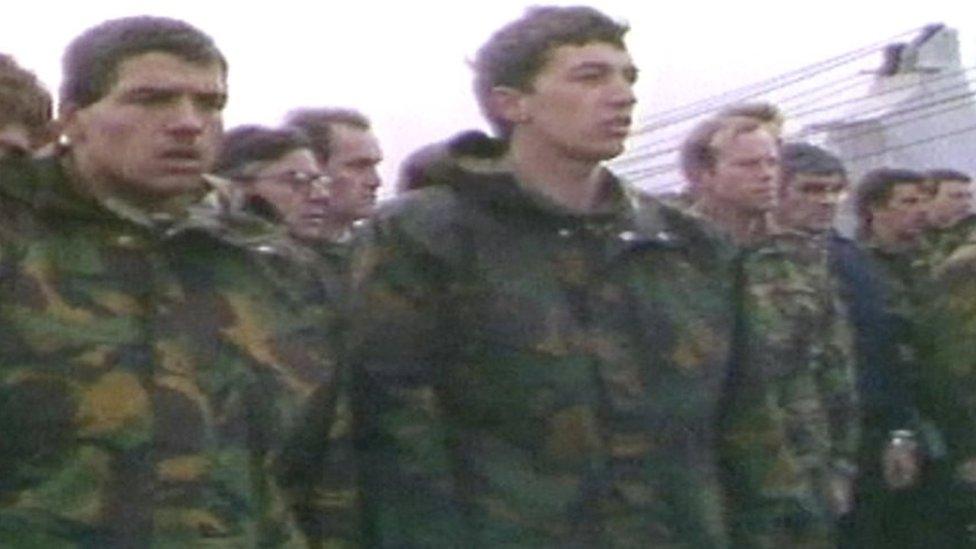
{"type": "Point", "coordinates": [509, 104]}
{"type": "Point", "coordinates": [70, 123]}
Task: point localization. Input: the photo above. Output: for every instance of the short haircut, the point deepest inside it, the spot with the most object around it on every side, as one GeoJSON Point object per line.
{"type": "Point", "coordinates": [876, 187]}
{"type": "Point", "coordinates": [765, 112]}
{"type": "Point", "coordinates": [23, 99]}
{"type": "Point", "coordinates": [699, 151]}
{"type": "Point", "coordinates": [804, 158]}
{"type": "Point", "coordinates": [318, 126]}
{"type": "Point", "coordinates": [515, 54]}
{"type": "Point", "coordinates": [430, 164]}
{"type": "Point", "coordinates": [948, 175]}
{"type": "Point", "coordinates": [244, 145]}
{"type": "Point", "coordinates": [90, 63]}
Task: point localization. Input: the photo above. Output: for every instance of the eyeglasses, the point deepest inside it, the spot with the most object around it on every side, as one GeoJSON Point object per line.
{"type": "Point", "coordinates": [300, 181]}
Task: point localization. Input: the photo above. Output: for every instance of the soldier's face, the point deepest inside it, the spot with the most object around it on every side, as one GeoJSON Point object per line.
{"type": "Point", "coordinates": [809, 201]}
{"type": "Point", "coordinates": [902, 218]}
{"type": "Point", "coordinates": [352, 166]}
{"type": "Point", "coordinates": [745, 172]}
{"type": "Point", "coordinates": [296, 187]}
{"type": "Point", "coordinates": [951, 203]}
{"type": "Point", "coordinates": [579, 105]}
{"type": "Point", "coordinates": [154, 132]}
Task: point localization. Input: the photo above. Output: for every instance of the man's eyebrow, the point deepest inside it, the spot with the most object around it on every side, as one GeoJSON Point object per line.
{"type": "Point", "coordinates": [588, 65]}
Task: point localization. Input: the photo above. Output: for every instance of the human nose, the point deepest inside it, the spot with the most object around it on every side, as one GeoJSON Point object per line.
{"type": "Point", "coordinates": [768, 171]}
{"type": "Point", "coordinates": [186, 119]}
{"type": "Point", "coordinates": [374, 181]}
{"type": "Point", "coordinates": [622, 91]}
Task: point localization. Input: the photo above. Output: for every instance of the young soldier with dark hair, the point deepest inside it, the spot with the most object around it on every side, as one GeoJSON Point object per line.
{"type": "Point", "coordinates": [145, 388]}
{"type": "Point", "coordinates": [534, 363]}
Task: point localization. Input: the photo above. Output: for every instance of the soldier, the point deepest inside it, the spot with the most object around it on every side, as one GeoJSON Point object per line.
{"type": "Point", "coordinates": [349, 153]}
{"type": "Point", "coordinates": [533, 363]}
{"type": "Point", "coordinates": [731, 164]}
{"type": "Point", "coordinates": [951, 220]}
{"type": "Point", "coordinates": [792, 433]}
{"type": "Point", "coordinates": [947, 390]}
{"type": "Point", "coordinates": [278, 178]}
{"type": "Point", "coordinates": [144, 396]}
{"type": "Point", "coordinates": [883, 288]}
{"type": "Point", "coordinates": [25, 110]}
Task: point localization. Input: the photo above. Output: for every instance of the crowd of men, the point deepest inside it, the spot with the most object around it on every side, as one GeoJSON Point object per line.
{"type": "Point", "coordinates": [217, 339]}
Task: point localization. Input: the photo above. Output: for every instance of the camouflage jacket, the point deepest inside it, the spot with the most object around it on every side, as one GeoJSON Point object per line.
{"type": "Point", "coordinates": [794, 425]}
{"type": "Point", "coordinates": [947, 380]}
{"type": "Point", "coordinates": [526, 376]}
{"type": "Point", "coordinates": [939, 244]}
{"type": "Point", "coordinates": [151, 369]}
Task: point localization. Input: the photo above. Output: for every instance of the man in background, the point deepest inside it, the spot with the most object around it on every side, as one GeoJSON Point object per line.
{"type": "Point", "coordinates": [731, 164]}
{"type": "Point", "coordinates": [349, 153]}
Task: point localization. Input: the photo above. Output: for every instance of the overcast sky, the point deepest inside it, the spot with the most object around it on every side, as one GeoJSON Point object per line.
{"type": "Point", "coordinates": [404, 63]}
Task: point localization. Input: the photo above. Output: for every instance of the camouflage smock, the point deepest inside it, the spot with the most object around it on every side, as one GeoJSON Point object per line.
{"type": "Point", "coordinates": [149, 371]}
{"type": "Point", "coordinates": [526, 376]}
{"type": "Point", "coordinates": [794, 426]}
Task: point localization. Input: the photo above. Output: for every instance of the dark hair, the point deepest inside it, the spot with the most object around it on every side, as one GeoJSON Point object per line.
{"type": "Point", "coordinates": [515, 54]}
{"type": "Point", "coordinates": [318, 123]}
{"type": "Point", "coordinates": [23, 99]}
{"type": "Point", "coordinates": [876, 187]}
{"type": "Point", "coordinates": [431, 164]}
{"type": "Point", "coordinates": [797, 158]}
{"type": "Point", "coordinates": [90, 63]}
{"type": "Point", "coordinates": [246, 144]}
{"type": "Point", "coordinates": [699, 150]}
{"type": "Point", "coordinates": [944, 175]}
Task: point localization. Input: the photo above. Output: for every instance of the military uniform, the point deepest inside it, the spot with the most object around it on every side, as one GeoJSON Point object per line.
{"type": "Point", "coordinates": [793, 430]}
{"type": "Point", "coordinates": [527, 376]}
{"type": "Point", "coordinates": [946, 388]}
{"type": "Point", "coordinates": [886, 299]}
{"type": "Point", "coordinates": [150, 372]}
{"type": "Point", "coordinates": [939, 244]}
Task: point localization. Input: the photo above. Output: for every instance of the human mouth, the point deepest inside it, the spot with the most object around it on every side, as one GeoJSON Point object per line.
{"type": "Point", "coordinates": [618, 126]}
{"type": "Point", "coordinates": [182, 160]}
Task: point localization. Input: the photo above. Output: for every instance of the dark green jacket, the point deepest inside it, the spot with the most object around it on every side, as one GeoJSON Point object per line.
{"type": "Point", "coordinates": [526, 376]}
{"type": "Point", "coordinates": [150, 369]}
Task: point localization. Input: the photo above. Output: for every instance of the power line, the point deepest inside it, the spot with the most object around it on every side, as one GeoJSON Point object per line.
{"type": "Point", "coordinates": [915, 105]}
{"type": "Point", "coordinates": [750, 91]}
{"type": "Point", "coordinates": [855, 135]}
{"type": "Point", "coordinates": [830, 106]}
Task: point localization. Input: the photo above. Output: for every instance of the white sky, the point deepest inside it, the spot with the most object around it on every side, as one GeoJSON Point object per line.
{"type": "Point", "coordinates": [404, 63]}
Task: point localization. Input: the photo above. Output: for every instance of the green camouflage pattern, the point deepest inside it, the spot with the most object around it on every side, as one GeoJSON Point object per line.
{"type": "Point", "coordinates": [528, 377]}
{"type": "Point", "coordinates": [947, 383]}
{"type": "Point", "coordinates": [152, 369]}
{"type": "Point", "coordinates": [939, 244]}
{"type": "Point", "coordinates": [794, 426]}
